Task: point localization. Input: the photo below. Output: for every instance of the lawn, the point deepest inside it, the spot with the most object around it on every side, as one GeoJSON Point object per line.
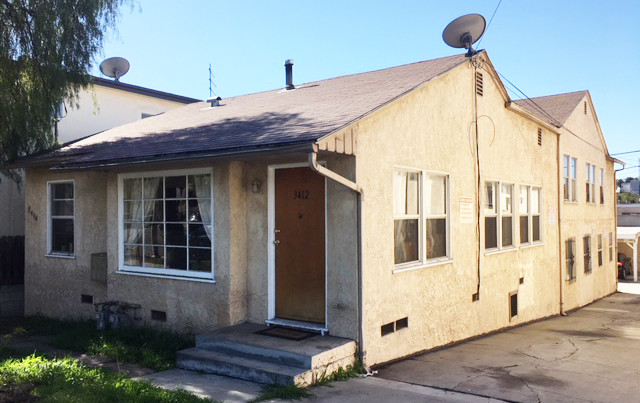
{"type": "Point", "coordinates": [29, 378]}
{"type": "Point", "coordinates": [150, 348]}
{"type": "Point", "coordinates": [36, 378]}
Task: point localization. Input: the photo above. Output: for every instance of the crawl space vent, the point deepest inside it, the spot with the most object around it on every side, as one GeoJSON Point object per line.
{"type": "Point", "coordinates": [392, 327]}
{"type": "Point", "coordinates": [539, 136]}
{"type": "Point", "coordinates": [160, 316]}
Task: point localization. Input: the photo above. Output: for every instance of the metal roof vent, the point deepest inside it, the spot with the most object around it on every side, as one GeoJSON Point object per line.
{"type": "Point", "coordinates": [288, 71]}
{"type": "Point", "coordinates": [214, 101]}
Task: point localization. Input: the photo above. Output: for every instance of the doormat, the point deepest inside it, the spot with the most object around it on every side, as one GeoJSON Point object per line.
{"type": "Point", "coordinates": [286, 333]}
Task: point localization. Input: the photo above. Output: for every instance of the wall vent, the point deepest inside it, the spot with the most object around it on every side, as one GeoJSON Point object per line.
{"type": "Point", "coordinates": [513, 305]}
{"type": "Point", "coordinates": [392, 327]}
{"type": "Point", "coordinates": [86, 299]}
{"type": "Point", "coordinates": [585, 107]}
{"type": "Point", "coordinates": [539, 136]}
{"type": "Point", "coordinates": [475, 297]}
{"type": "Point", "coordinates": [479, 84]}
{"type": "Point", "coordinates": [160, 316]}
{"type": "Point", "coordinates": [521, 280]}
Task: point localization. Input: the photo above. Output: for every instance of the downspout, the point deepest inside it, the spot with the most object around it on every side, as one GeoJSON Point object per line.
{"type": "Point", "coordinates": [560, 261]}
{"type": "Point", "coordinates": [313, 164]}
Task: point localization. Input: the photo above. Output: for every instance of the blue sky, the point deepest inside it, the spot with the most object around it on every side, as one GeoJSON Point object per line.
{"type": "Point", "coordinates": [544, 47]}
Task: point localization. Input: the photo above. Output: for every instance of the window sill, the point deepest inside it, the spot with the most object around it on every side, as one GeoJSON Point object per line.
{"type": "Point", "coordinates": [420, 265]}
{"type": "Point", "coordinates": [169, 277]}
{"type": "Point", "coordinates": [498, 251]}
{"type": "Point", "coordinates": [531, 245]}
{"type": "Point", "coordinates": [60, 256]}
{"type": "Point", "coordinates": [570, 201]}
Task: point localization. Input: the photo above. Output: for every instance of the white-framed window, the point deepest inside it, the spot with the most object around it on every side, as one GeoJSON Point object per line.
{"type": "Point", "coordinates": [498, 215]}
{"type": "Point", "coordinates": [421, 217]}
{"type": "Point", "coordinates": [570, 256]}
{"type": "Point", "coordinates": [611, 246]}
{"type": "Point", "coordinates": [61, 218]}
{"type": "Point", "coordinates": [590, 183]}
{"type": "Point", "coordinates": [166, 223]}
{"type": "Point", "coordinates": [599, 250]}
{"type": "Point", "coordinates": [529, 212]}
{"type": "Point", "coordinates": [601, 186]}
{"type": "Point", "coordinates": [586, 242]}
{"type": "Point", "coordinates": [570, 177]}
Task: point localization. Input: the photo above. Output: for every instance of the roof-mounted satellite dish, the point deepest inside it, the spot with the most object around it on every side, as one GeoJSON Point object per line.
{"type": "Point", "coordinates": [464, 32]}
{"type": "Point", "coordinates": [115, 67]}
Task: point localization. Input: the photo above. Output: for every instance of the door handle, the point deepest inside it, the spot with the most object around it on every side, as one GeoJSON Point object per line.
{"type": "Point", "coordinates": [276, 242]}
{"type": "Point", "coordinates": [276, 231]}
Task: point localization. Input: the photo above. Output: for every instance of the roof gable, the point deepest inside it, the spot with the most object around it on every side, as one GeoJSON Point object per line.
{"type": "Point", "coordinates": [553, 109]}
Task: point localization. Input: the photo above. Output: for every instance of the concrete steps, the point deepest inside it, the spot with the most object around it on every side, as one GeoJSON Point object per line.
{"type": "Point", "coordinates": [239, 352]}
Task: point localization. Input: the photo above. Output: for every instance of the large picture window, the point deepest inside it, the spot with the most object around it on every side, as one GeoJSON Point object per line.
{"type": "Point", "coordinates": [61, 218]}
{"type": "Point", "coordinates": [166, 223]}
{"type": "Point", "coordinates": [420, 209]}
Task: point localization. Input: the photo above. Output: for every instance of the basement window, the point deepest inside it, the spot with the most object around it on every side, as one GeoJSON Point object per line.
{"type": "Point", "coordinates": [513, 305]}
{"type": "Point", "coordinates": [387, 329]}
{"type": "Point", "coordinates": [86, 299]}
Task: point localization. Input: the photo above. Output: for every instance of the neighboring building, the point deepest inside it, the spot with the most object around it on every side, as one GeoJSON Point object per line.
{"type": "Point", "coordinates": [365, 206]}
{"type": "Point", "coordinates": [629, 235]}
{"type": "Point", "coordinates": [628, 215]}
{"type": "Point", "coordinates": [103, 105]}
{"type": "Point", "coordinates": [632, 186]}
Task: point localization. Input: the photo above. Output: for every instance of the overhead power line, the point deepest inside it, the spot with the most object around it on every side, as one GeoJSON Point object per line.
{"type": "Point", "coordinates": [627, 152]}
{"type": "Point", "coordinates": [489, 24]}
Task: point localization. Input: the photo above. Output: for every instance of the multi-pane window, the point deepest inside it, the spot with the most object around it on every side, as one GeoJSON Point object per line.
{"type": "Point", "coordinates": [529, 212]}
{"type": "Point", "coordinates": [570, 173]}
{"type": "Point", "coordinates": [611, 246]}
{"type": "Point", "coordinates": [590, 183]}
{"type": "Point", "coordinates": [166, 223]}
{"type": "Point", "coordinates": [498, 214]}
{"type": "Point", "coordinates": [406, 216]}
{"type": "Point", "coordinates": [599, 249]}
{"type": "Point", "coordinates": [420, 207]}
{"type": "Point", "coordinates": [601, 186]}
{"type": "Point", "coordinates": [570, 256]}
{"type": "Point", "coordinates": [61, 218]}
{"type": "Point", "coordinates": [586, 241]}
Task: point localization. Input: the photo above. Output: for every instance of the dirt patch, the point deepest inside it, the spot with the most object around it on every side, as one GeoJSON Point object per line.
{"type": "Point", "coordinates": [18, 394]}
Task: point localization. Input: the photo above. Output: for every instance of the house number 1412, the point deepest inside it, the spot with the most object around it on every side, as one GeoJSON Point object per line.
{"type": "Point", "coordinates": [301, 194]}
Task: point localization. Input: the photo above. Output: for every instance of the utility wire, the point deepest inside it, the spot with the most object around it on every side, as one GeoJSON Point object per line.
{"type": "Point", "coordinates": [625, 168]}
{"type": "Point", "coordinates": [627, 152]}
{"type": "Point", "coordinates": [489, 24]}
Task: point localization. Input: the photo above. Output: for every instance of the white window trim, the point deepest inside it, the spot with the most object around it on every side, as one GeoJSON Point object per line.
{"type": "Point", "coordinates": [155, 272]}
{"type": "Point", "coordinates": [498, 214]}
{"type": "Point", "coordinates": [422, 261]}
{"type": "Point", "coordinates": [49, 252]}
{"type": "Point", "coordinates": [571, 179]}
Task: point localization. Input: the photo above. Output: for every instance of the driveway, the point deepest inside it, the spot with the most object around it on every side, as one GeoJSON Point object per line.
{"type": "Point", "coordinates": [593, 354]}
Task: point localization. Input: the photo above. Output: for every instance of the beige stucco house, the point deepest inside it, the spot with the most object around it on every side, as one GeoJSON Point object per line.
{"type": "Point", "coordinates": [405, 209]}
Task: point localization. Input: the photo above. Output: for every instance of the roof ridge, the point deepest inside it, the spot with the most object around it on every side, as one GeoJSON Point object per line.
{"type": "Point", "coordinates": [554, 95]}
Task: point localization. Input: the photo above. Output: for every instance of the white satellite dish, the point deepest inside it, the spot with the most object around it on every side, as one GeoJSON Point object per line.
{"type": "Point", "coordinates": [115, 67]}
{"type": "Point", "coordinates": [464, 32]}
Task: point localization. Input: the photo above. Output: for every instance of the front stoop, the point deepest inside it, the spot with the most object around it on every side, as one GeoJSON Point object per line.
{"type": "Point", "coordinates": [239, 352]}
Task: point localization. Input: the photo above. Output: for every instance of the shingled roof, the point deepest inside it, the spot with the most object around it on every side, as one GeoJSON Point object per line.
{"type": "Point", "coordinates": [262, 121]}
{"type": "Point", "coordinates": [553, 109]}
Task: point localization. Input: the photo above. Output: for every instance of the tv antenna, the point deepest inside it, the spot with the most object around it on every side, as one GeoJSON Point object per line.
{"type": "Point", "coordinates": [114, 67]}
{"type": "Point", "coordinates": [464, 31]}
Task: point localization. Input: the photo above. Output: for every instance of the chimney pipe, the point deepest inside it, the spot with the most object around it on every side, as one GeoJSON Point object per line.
{"type": "Point", "coordinates": [288, 69]}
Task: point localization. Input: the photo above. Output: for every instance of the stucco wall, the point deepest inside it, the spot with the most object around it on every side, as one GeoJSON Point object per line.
{"type": "Point", "coordinates": [431, 129]}
{"type": "Point", "coordinates": [240, 291]}
{"type": "Point", "coordinates": [54, 285]}
{"type": "Point", "coordinates": [580, 139]}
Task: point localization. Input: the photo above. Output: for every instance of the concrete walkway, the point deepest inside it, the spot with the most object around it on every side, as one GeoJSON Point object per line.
{"type": "Point", "coordinates": [592, 355]}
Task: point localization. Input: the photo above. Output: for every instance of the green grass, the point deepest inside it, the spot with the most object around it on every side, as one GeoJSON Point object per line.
{"type": "Point", "coordinates": [66, 380]}
{"type": "Point", "coordinates": [151, 348]}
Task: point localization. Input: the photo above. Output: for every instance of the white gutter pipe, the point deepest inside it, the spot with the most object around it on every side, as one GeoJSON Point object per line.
{"type": "Point", "coordinates": [313, 164]}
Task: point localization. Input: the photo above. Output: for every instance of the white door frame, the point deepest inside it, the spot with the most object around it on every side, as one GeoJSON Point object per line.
{"type": "Point", "coordinates": [271, 251]}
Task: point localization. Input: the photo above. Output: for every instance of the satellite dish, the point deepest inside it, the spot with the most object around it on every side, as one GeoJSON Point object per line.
{"type": "Point", "coordinates": [464, 32]}
{"type": "Point", "coordinates": [115, 67]}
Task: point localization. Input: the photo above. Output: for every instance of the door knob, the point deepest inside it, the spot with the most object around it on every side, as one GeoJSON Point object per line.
{"type": "Point", "coordinates": [276, 242]}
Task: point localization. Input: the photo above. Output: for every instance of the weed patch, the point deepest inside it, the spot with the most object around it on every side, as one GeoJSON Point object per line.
{"type": "Point", "coordinates": [66, 380]}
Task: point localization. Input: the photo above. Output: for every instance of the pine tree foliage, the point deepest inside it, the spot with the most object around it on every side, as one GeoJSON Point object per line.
{"type": "Point", "coordinates": [46, 50]}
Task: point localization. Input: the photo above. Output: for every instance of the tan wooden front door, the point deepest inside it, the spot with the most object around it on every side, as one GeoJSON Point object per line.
{"type": "Point", "coordinates": [300, 245]}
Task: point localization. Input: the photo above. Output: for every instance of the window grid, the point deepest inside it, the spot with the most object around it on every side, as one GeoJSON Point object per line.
{"type": "Point", "coordinates": [601, 186]}
{"type": "Point", "coordinates": [611, 246]}
{"type": "Point", "coordinates": [61, 211]}
{"type": "Point", "coordinates": [587, 253]}
{"type": "Point", "coordinates": [590, 183]}
{"type": "Point", "coordinates": [145, 211]}
{"type": "Point", "coordinates": [570, 176]}
{"type": "Point", "coordinates": [570, 256]}
{"type": "Point", "coordinates": [599, 250]}
{"type": "Point", "coordinates": [498, 215]}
